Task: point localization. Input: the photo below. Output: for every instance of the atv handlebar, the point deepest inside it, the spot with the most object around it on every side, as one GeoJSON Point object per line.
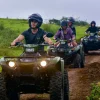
{"type": "Point", "coordinates": [30, 45]}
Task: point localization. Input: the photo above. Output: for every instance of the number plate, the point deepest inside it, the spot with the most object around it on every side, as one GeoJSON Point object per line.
{"type": "Point", "coordinates": [62, 42]}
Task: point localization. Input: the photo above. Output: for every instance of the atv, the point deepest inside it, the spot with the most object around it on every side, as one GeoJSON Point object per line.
{"type": "Point", "coordinates": [34, 71]}
{"type": "Point", "coordinates": [71, 55]}
{"type": "Point", "coordinates": [91, 42]}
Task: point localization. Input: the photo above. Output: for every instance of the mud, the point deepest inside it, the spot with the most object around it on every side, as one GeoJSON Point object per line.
{"type": "Point", "coordinates": [79, 79]}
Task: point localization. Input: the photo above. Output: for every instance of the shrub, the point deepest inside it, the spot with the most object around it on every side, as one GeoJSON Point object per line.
{"type": "Point", "coordinates": [95, 93]}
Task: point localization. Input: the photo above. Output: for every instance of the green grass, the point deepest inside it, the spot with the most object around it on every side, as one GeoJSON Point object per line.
{"type": "Point", "coordinates": [11, 28]}
{"type": "Point", "coordinates": [95, 92]}
{"type": "Point", "coordinates": [10, 51]}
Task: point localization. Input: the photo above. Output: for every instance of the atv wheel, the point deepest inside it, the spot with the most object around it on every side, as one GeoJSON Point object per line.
{"type": "Point", "coordinates": [13, 95]}
{"type": "Point", "coordinates": [7, 94]}
{"type": "Point", "coordinates": [56, 86]}
{"type": "Point", "coordinates": [2, 88]}
{"type": "Point", "coordinates": [85, 50]}
{"type": "Point", "coordinates": [79, 61]}
{"type": "Point", "coordinates": [82, 59]}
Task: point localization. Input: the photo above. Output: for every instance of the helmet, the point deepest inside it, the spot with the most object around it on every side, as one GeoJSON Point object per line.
{"type": "Point", "coordinates": [71, 19]}
{"type": "Point", "coordinates": [36, 17]}
{"type": "Point", "coordinates": [93, 22]}
{"type": "Point", "coordinates": [63, 23]}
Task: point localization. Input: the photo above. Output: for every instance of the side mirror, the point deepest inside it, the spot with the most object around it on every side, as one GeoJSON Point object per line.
{"type": "Point", "coordinates": [18, 44]}
{"type": "Point", "coordinates": [49, 34]}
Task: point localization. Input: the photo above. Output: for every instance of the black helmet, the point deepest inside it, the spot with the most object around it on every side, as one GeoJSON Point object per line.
{"type": "Point", "coordinates": [36, 17]}
{"type": "Point", "coordinates": [63, 23]}
{"type": "Point", "coordinates": [71, 19]}
{"type": "Point", "coordinates": [93, 22]}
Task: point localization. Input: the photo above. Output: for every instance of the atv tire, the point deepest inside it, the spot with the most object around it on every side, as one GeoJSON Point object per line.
{"type": "Point", "coordinates": [79, 61]}
{"type": "Point", "coordinates": [56, 86]}
{"type": "Point", "coordinates": [86, 51]}
{"type": "Point", "coordinates": [2, 89]}
{"type": "Point", "coordinates": [7, 94]}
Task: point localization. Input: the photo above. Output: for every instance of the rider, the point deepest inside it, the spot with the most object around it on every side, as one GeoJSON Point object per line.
{"type": "Point", "coordinates": [34, 35]}
{"type": "Point", "coordinates": [92, 28]}
{"type": "Point", "coordinates": [71, 21]}
{"type": "Point", "coordinates": [65, 33]}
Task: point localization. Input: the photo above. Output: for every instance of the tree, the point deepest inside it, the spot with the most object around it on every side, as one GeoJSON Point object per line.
{"type": "Point", "coordinates": [54, 21]}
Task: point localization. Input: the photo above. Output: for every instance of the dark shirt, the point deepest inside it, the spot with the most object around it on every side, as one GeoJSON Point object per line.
{"type": "Point", "coordinates": [36, 38]}
{"type": "Point", "coordinates": [74, 30]}
{"type": "Point", "coordinates": [92, 29]}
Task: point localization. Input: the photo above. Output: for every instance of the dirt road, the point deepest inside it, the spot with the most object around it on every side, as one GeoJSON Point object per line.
{"type": "Point", "coordinates": [80, 79]}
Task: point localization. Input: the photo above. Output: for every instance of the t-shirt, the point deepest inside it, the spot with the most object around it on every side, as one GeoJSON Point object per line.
{"type": "Point", "coordinates": [92, 29]}
{"type": "Point", "coordinates": [66, 36]}
{"type": "Point", "coordinates": [36, 38]}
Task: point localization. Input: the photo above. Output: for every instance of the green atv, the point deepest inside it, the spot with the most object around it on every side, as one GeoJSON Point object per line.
{"type": "Point", "coordinates": [34, 71]}
{"type": "Point", "coordinates": [71, 55]}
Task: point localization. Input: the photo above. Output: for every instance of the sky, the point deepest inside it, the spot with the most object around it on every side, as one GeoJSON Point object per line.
{"type": "Point", "coordinates": [86, 10]}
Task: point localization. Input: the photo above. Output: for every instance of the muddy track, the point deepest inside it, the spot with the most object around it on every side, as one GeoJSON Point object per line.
{"type": "Point", "coordinates": [80, 79]}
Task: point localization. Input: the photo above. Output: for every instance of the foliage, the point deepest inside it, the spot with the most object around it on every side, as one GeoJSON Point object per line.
{"type": "Point", "coordinates": [54, 21]}
{"type": "Point", "coordinates": [77, 22]}
{"type": "Point", "coordinates": [11, 28]}
{"type": "Point", "coordinates": [50, 28]}
{"type": "Point", "coordinates": [95, 93]}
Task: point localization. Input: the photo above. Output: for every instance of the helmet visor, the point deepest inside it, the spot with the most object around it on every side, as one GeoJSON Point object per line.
{"type": "Point", "coordinates": [34, 20]}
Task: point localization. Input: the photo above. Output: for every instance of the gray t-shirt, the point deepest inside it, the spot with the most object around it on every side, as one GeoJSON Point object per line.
{"type": "Point", "coordinates": [36, 38]}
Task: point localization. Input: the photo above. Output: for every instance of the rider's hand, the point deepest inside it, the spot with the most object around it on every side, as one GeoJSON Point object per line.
{"type": "Point", "coordinates": [50, 42]}
{"type": "Point", "coordinates": [74, 43]}
{"type": "Point", "coordinates": [86, 33]}
{"type": "Point", "coordinates": [13, 44]}
{"type": "Point", "coordinates": [57, 44]}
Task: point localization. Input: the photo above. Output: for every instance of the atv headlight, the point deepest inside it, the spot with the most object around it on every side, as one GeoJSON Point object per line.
{"type": "Point", "coordinates": [43, 63]}
{"type": "Point", "coordinates": [11, 64]}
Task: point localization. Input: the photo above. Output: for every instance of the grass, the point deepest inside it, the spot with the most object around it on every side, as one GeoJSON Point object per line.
{"type": "Point", "coordinates": [11, 28]}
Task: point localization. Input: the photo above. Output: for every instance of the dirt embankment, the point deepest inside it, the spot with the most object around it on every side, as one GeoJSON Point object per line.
{"type": "Point", "coordinates": [80, 79]}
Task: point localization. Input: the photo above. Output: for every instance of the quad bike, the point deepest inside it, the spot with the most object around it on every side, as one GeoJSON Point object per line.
{"type": "Point", "coordinates": [91, 42]}
{"type": "Point", "coordinates": [71, 55]}
{"type": "Point", "coordinates": [34, 71]}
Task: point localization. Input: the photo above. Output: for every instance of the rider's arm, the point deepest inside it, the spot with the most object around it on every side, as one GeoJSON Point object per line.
{"type": "Point", "coordinates": [97, 30]}
{"type": "Point", "coordinates": [72, 37]}
{"type": "Point", "coordinates": [48, 40]}
{"type": "Point", "coordinates": [57, 35]}
{"type": "Point", "coordinates": [18, 39]}
{"type": "Point", "coordinates": [87, 30]}
{"type": "Point", "coordinates": [74, 41]}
